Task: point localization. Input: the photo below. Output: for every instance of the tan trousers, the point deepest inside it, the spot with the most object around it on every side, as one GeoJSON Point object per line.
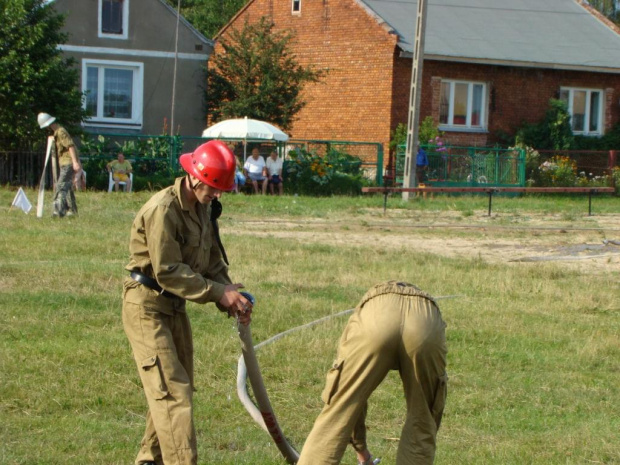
{"type": "Point", "coordinates": [163, 350]}
{"type": "Point", "coordinates": [389, 331]}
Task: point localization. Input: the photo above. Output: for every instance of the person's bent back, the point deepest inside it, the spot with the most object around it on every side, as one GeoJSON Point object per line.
{"type": "Point", "coordinates": [395, 326]}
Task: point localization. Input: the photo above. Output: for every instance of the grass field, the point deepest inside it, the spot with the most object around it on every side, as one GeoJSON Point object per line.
{"type": "Point", "coordinates": [534, 347]}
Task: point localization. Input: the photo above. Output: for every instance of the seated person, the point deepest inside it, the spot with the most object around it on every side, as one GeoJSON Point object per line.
{"type": "Point", "coordinates": [255, 170]}
{"type": "Point", "coordinates": [120, 169]}
{"type": "Point", "coordinates": [274, 172]}
{"type": "Point", "coordinates": [239, 177]}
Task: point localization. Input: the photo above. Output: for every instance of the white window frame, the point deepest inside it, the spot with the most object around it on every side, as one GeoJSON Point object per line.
{"type": "Point", "coordinates": [105, 35]}
{"type": "Point", "coordinates": [136, 98]}
{"type": "Point", "coordinates": [470, 97]}
{"type": "Point", "coordinates": [298, 10]}
{"type": "Point", "coordinates": [601, 110]}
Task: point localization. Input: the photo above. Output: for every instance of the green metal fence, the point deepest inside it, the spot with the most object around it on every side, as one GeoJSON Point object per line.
{"type": "Point", "coordinates": [155, 158]}
{"type": "Point", "coordinates": [468, 166]}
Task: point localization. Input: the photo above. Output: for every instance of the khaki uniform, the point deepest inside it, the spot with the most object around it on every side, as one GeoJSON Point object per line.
{"type": "Point", "coordinates": [174, 244]}
{"type": "Point", "coordinates": [395, 326]}
{"type": "Point", "coordinates": [64, 197]}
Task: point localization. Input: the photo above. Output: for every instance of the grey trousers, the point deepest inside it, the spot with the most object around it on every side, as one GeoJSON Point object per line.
{"type": "Point", "coordinates": [64, 197]}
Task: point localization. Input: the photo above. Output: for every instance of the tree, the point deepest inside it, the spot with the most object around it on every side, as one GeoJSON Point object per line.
{"type": "Point", "coordinates": [256, 76]}
{"type": "Point", "coordinates": [34, 76]}
{"type": "Point", "coordinates": [208, 16]}
{"type": "Point", "coordinates": [608, 8]}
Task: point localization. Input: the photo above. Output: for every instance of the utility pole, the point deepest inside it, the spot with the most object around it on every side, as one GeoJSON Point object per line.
{"type": "Point", "coordinates": [174, 75]}
{"type": "Point", "coordinates": [414, 98]}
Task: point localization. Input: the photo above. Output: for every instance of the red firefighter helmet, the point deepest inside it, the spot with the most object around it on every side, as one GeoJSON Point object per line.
{"type": "Point", "coordinates": [212, 163]}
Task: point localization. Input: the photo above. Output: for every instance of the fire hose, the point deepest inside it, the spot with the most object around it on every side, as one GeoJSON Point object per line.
{"type": "Point", "coordinates": [247, 367]}
{"type": "Point", "coordinates": [265, 416]}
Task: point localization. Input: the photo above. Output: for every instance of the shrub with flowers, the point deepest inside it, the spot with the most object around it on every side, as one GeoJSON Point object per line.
{"type": "Point", "coordinates": [335, 173]}
{"type": "Point", "coordinates": [590, 180]}
{"type": "Point", "coordinates": [558, 171]}
{"type": "Point", "coordinates": [436, 145]}
{"type": "Point", "coordinates": [615, 176]}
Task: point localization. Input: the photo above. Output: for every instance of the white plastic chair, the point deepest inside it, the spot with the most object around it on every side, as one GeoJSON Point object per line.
{"type": "Point", "coordinates": [121, 183]}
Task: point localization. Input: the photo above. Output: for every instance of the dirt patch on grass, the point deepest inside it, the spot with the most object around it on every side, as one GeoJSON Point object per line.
{"type": "Point", "coordinates": [590, 244]}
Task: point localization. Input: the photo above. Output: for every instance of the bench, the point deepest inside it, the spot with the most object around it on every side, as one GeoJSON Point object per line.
{"type": "Point", "coordinates": [492, 190]}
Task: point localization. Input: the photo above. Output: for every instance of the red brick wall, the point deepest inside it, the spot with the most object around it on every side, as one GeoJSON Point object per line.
{"type": "Point", "coordinates": [365, 91]}
{"type": "Point", "coordinates": [516, 95]}
{"type": "Point", "coordinates": [352, 101]}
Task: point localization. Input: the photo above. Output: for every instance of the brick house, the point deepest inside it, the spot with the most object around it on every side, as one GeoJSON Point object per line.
{"type": "Point", "coordinates": [125, 50]}
{"type": "Point", "coordinates": [489, 65]}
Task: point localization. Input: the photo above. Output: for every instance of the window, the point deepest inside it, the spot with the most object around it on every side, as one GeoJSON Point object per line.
{"type": "Point", "coordinates": [113, 92]}
{"type": "Point", "coordinates": [113, 18]}
{"type": "Point", "coordinates": [463, 104]}
{"type": "Point", "coordinates": [585, 107]}
{"type": "Point", "coordinates": [296, 8]}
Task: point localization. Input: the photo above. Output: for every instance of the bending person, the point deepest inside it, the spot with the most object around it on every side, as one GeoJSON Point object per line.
{"type": "Point", "coordinates": [395, 326]}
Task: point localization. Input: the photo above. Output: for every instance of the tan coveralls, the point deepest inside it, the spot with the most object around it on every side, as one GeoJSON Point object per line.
{"type": "Point", "coordinates": [175, 245]}
{"type": "Point", "coordinates": [395, 326]}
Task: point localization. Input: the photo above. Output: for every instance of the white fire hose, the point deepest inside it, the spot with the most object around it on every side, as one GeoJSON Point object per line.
{"type": "Point", "coordinates": [265, 416]}
{"type": "Point", "coordinates": [247, 367]}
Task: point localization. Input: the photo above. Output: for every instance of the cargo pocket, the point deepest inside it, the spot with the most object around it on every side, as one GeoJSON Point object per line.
{"type": "Point", "coordinates": [439, 403]}
{"type": "Point", "coordinates": [153, 378]}
{"type": "Point", "coordinates": [331, 382]}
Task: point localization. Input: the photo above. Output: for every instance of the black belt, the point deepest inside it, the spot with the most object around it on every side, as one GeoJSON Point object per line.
{"type": "Point", "coordinates": [151, 284]}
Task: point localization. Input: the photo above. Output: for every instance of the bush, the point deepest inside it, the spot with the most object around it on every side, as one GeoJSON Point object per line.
{"type": "Point", "coordinates": [428, 132]}
{"type": "Point", "coordinates": [149, 159]}
{"type": "Point", "coordinates": [609, 141]}
{"type": "Point", "coordinates": [558, 172]}
{"type": "Point", "coordinates": [615, 176]}
{"type": "Point", "coordinates": [337, 173]}
{"type": "Point", "coordinates": [554, 132]}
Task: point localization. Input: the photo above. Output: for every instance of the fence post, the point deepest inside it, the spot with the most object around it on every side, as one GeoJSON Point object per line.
{"type": "Point", "coordinates": [613, 158]}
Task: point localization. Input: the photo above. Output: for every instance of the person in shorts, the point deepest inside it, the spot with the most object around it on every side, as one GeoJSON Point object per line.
{"type": "Point", "coordinates": [256, 171]}
{"type": "Point", "coordinates": [120, 169]}
{"type": "Point", "coordinates": [274, 172]}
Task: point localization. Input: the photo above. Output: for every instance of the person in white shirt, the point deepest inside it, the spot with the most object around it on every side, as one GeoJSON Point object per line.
{"type": "Point", "coordinates": [255, 169]}
{"type": "Point", "coordinates": [274, 172]}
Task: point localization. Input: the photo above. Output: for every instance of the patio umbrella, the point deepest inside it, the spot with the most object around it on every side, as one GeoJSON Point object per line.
{"type": "Point", "coordinates": [245, 129]}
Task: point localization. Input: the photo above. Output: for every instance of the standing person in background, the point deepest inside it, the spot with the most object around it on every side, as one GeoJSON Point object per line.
{"type": "Point", "coordinates": [421, 165]}
{"type": "Point", "coordinates": [69, 163]}
{"type": "Point", "coordinates": [176, 255]}
{"type": "Point", "coordinates": [396, 326]}
{"type": "Point", "coordinates": [274, 172]}
{"type": "Point", "coordinates": [255, 169]}
{"type": "Point", "coordinates": [120, 169]}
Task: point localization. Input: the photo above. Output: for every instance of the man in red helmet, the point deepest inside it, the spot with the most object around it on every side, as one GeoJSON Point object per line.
{"type": "Point", "coordinates": [176, 256]}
